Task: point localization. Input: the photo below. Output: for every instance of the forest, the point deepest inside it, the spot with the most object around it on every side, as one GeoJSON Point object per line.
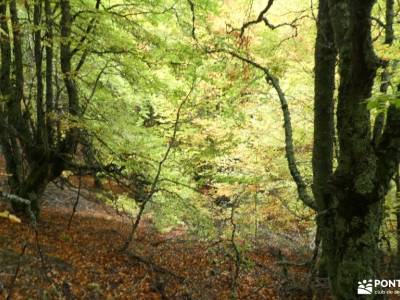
{"type": "Point", "coordinates": [199, 149]}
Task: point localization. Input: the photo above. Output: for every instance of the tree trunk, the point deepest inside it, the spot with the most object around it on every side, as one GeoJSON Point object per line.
{"type": "Point", "coordinates": [41, 135]}
{"type": "Point", "coordinates": [33, 156]}
{"type": "Point", "coordinates": [351, 213]}
{"type": "Point", "coordinates": [66, 69]}
{"type": "Point", "coordinates": [32, 189]}
{"type": "Point", "coordinates": [397, 257]}
{"type": "Point", "coordinates": [322, 159]}
{"type": "Point", "coordinates": [49, 72]}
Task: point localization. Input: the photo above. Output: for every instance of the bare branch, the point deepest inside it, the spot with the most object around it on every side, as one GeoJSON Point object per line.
{"type": "Point", "coordinates": [76, 202]}
{"type": "Point", "coordinates": [88, 30]}
{"type": "Point", "coordinates": [191, 4]}
{"type": "Point", "coordinates": [260, 18]}
{"type": "Point", "coordinates": [237, 257]}
{"type": "Point", "coordinates": [378, 21]}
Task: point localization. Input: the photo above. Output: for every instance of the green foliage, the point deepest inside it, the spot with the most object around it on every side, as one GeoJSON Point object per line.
{"type": "Point", "coordinates": [229, 130]}
{"type": "Point", "coordinates": [141, 60]}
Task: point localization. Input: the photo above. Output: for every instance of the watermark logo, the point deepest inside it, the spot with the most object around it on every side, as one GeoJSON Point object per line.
{"type": "Point", "coordinates": [379, 286]}
{"type": "Point", "coordinates": [365, 287]}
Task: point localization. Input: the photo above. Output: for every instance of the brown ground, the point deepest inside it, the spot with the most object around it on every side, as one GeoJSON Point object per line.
{"type": "Point", "coordinates": [84, 262]}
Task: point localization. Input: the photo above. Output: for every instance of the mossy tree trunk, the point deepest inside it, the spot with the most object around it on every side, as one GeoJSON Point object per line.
{"type": "Point", "coordinates": [350, 208]}
{"type": "Point", "coordinates": [322, 158]}
{"type": "Point", "coordinates": [396, 267]}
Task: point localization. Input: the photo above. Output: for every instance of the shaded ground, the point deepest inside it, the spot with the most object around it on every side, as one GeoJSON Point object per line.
{"type": "Point", "coordinates": [84, 262]}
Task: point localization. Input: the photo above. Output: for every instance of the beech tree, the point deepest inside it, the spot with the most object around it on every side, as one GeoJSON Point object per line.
{"type": "Point", "coordinates": [33, 100]}
{"type": "Point", "coordinates": [350, 201]}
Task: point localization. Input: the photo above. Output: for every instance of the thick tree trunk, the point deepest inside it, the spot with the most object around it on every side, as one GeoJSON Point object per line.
{"type": "Point", "coordinates": [32, 188]}
{"type": "Point", "coordinates": [325, 60]}
{"type": "Point", "coordinates": [351, 243]}
{"type": "Point", "coordinates": [352, 210]}
{"type": "Point", "coordinates": [44, 170]}
{"type": "Point", "coordinates": [33, 157]}
{"type": "Point", "coordinates": [322, 159]}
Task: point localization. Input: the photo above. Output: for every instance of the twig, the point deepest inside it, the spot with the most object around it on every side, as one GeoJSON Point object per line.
{"type": "Point", "coordinates": [12, 284]}
{"type": "Point", "coordinates": [76, 202]}
{"type": "Point", "coordinates": [93, 91]}
{"type": "Point", "coordinates": [256, 291]}
{"type": "Point", "coordinates": [189, 284]}
{"type": "Point", "coordinates": [40, 253]}
{"type": "Point", "coordinates": [91, 27]}
{"type": "Point", "coordinates": [44, 269]}
{"type": "Point", "coordinates": [237, 258]}
{"type": "Point", "coordinates": [158, 173]}
{"type": "Point", "coordinates": [156, 267]}
{"type": "Point", "coordinates": [259, 19]}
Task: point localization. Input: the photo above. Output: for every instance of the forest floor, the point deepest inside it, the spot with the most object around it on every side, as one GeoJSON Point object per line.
{"type": "Point", "coordinates": [85, 261]}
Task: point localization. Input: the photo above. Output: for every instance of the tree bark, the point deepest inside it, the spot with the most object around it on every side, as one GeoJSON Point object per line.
{"type": "Point", "coordinates": [324, 88]}
{"type": "Point", "coordinates": [325, 60]}
{"type": "Point", "coordinates": [66, 56]}
{"type": "Point", "coordinates": [49, 71]}
{"type": "Point", "coordinates": [33, 157]}
{"type": "Point", "coordinates": [68, 75]}
{"type": "Point", "coordinates": [351, 213]}
{"type": "Point", "coordinates": [6, 94]}
{"type": "Point", "coordinates": [41, 137]}
{"type": "Point", "coordinates": [397, 257]}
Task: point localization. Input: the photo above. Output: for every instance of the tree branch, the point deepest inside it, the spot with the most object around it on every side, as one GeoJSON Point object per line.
{"type": "Point", "coordinates": [27, 203]}
{"type": "Point", "coordinates": [191, 4]}
{"type": "Point", "coordinates": [88, 30]}
{"type": "Point", "coordinates": [153, 188]}
{"type": "Point", "coordinates": [259, 19]}
{"type": "Point", "coordinates": [289, 148]}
